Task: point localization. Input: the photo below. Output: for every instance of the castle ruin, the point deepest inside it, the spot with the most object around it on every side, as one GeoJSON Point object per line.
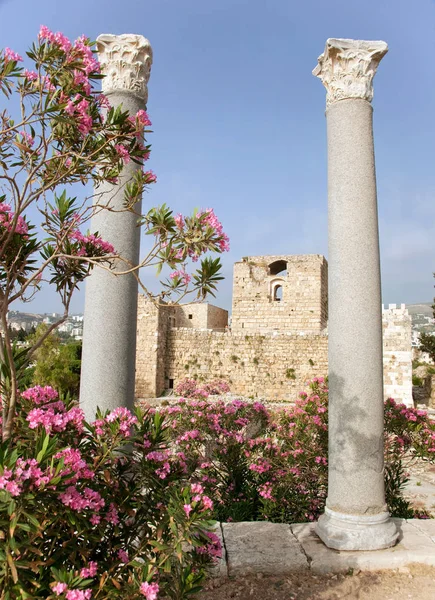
{"type": "Point", "coordinates": [276, 341]}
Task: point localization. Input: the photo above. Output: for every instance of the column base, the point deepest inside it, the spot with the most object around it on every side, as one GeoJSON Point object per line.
{"type": "Point", "coordinates": [356, 532]}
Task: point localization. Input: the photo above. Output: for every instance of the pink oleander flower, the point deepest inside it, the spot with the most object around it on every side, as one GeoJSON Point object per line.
{"type": "Point", "coordinates": [80, 79]}
{"type": "Point", "coordinates": [211, 220]}
{"type": "Point", "coordinates": [196, 488]}
{"type": "Point", "coordinates": [126, 419]}
{"type": "Point", "coordinates": [40, 394]}
{"type": "Point", "coordinates": [179, 221]}
{"type": "Point", "coordinates": [112, 515]}
{"type": "Point", "coordinates": [27, 138]}
{"type": "Point", "coordinates": [30, 75]}
{"type": "Point", "coordinates": [150, 177]}
{"type": "Point", "coordinates": [103, 101]}
{"type": "Point", "coordinates": [59, 588]}
{"type": "Point", "coordinates": [91, 243]}
{"type": "Point", "coordinates": [207, 503]}
{"type": "Point", "coordinates": [123, 153]}
{"type": "Point", "coordinates": [90, 570]}
{"type": "Point", "coordinates": [149, 590]}
{"type": "Point", "coordinates": [123, 556]}
{"type": "Point", "coordinates": [181, 274]}
{"type": "Point", "coordinates": [81, 501]}
{"type": "Point", "coordinates": [95, 519]}
{"type": "Point", "coordinates": [142, 118]}
{"type": "Point", "coordinates": [11, 55]}
{"type": "Point", "coordinates": [187, 509]}
{"type": "Point", "coordinates": [78, 594]}
{"type": "Point", "coordinates": [90, 63]}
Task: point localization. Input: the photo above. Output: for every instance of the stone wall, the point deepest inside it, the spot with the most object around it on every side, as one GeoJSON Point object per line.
{"type": "Point", "coordinates": [397, 328]}
{"type": "Point", "coordinates": [199, 315]}
{"type": "Point", "coordinates": [153, 324]}
{"type": "Point", "coordinates": [273, 367]}
{"type": "Point", "coordinates": [281, 293]}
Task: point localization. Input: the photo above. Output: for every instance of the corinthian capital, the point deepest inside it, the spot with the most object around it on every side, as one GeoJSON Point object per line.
{"type": "Point", "coordinates": [347, 68]}
{"type": "Point", "coordinates": [126, 62]}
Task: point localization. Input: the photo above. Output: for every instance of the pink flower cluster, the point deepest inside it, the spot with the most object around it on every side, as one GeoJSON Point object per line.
{"type": "Point", "coordinates": [80, 501]}
{"type": "Point", "coordinates": [122, 416]}
{"type": "Point", "coordinates": [149, 590]}
{"type": "Point", "coordinates": [143, 119]}
{"type": "Point", "coordinates": [80, 49]}
{"type": "Point", "coordinates": [25, 471]}
{"type": "Point", "coordinates": [91, 245]}
{"type": "Point", "coordinates": [123, 153]}
{"type": "Point", "coordinates": [90, 570]}
{"type": "Point", "coordinates": [10, 222]}
{"type": "Point", "coordinates": [40, 394]}
{"type": "Point", "coordinates": [189, 388]}
{"type": "Point", "coordinates": [162, 457]}
{"type": "Point", "coordinates": [214, 548]}
{"type": "Point", "coordinates": [149, 177]}
{"type": "Point", "coordinates": [11, 55]}
{"type": "Point", "coordinates": [62, 588]}
{"type": "Point", "coordinates": [74, 465]}
{"type": "Point", "coordinates": [27, 139]}
{"type": "Point", "coordinates": [79, 109]}
{"type": "Point", "coordinates": [55, 417]}
{"type": "Point", "coordinates": [182, 275]}
{"type": "Point", "coordinates": [212, 221]}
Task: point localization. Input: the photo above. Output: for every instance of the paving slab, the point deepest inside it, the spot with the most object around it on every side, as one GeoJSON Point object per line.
{"type": "Point", "coordinates": [262, 547]}
{"type": "Point", "coordinates": [416, 545]}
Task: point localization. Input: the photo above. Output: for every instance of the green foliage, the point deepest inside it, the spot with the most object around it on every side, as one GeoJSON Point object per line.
{"type": "Point", "coordinates": [290, 374]}
{"type": "Point", "coordinates": [417, 381]}
{"type": "Point", "coordinates": [57, 364]}
{"type": "Point", "coordinates": [427, 344]}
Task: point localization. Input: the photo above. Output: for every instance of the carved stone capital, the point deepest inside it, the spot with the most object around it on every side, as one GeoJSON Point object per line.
{"type": "Point", "coordinates": [126, 62]}
{"type": "Point", "coordinates": [347, 67]}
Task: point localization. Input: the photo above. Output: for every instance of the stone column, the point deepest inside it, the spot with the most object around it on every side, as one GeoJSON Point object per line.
{"type": "Point", "coordinates": [356, 516]}
{"type": "Point", "coordinates": [109, 337]}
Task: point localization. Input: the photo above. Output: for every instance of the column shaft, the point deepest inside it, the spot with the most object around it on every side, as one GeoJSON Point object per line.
{"type": "Point", "coordinates": [356, 477]}
{"type": "Point", "coordinates": [356, 516]}
{"type": "Point", "coordinates": [110, 318]}
{"type": "Point", "coordinates": [109, 333]}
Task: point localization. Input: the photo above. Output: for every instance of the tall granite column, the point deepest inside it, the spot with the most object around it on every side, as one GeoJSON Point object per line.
{"type": "Point", "coordinates": [109, 337]}
{"type": "Point", "coordinates": [356, 516]}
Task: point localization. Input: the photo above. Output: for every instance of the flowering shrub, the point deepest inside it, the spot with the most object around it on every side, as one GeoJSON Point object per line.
{"type": "Point", "coordinates": [95, 510]}
{"type": "Point", "coordinates": [258, 464]}
{"type": "Point", "coordinates": [59, 131]}
{"type": "Point", "coordinates": [189, 388]}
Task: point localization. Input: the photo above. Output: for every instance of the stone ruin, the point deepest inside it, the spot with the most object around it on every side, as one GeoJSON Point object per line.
{"type": "Point", "coordinates": [277, 339]}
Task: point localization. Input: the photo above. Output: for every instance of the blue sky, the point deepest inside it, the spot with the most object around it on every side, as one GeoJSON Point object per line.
{"type": "Point", "coordinates": [239, 121]}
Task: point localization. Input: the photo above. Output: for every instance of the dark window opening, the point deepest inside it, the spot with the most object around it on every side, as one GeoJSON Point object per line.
{"type": "Point", "coordinates": [190, 316]}
{"type": "Point", "coordinates": [171, 384]}
{"type": "Point", "coordinates": [279, 267]}
{"type": "Point", "coordinates": [277, 293]}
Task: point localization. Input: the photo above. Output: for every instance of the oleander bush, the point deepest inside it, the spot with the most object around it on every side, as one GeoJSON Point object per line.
{"type": "Point", "coordinates": [94, 510]}
{"type": "Point", "coordinates": [190, 388]}
{"type": "Point", "coordinates": [261, 464]}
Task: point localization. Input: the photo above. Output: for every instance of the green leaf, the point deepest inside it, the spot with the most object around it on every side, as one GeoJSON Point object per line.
{"type": "Point", "coordinates": [41, 453]}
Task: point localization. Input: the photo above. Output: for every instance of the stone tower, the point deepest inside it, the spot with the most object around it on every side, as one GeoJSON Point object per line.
{"type": "Point", "coordinates": [280, 293]}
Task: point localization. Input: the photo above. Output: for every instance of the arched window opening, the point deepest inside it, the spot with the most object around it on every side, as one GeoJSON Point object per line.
{"type": "Point", "coordinates": [279, 267]}
{"type": "Point", "coordinates": [277, 293]}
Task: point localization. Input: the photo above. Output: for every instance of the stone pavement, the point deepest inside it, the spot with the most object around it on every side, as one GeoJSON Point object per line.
{"type": "Point", "coordinates": [280, 549]}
